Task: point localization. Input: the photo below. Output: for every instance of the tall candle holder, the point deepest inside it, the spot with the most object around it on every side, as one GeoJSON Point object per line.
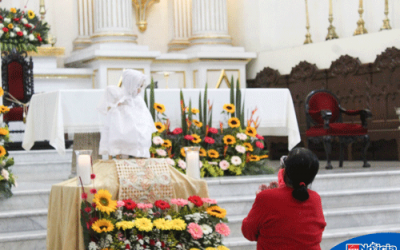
{"type": "Point", "coordinates": [360, 28]}
{"type": "Point", "coordinates": [386, 23]}
{"type": "Point", "coordinates": [193, 162]}
{"type": "Point", "coordinates": [84, 166]}
{"type": "Point", "coordinates": [331, 29]}
{"type": "Point", "coordinates": [308, 34]}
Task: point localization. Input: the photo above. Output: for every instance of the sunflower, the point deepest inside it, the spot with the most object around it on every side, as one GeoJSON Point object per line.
{"type": "Point", "coordinates": [103, 202]}
{"type": "Point", "coordinates": [143, 224]}
{"type": "Point", "coordinates": [13, 10]}
{"type": "Point", "coordinates": [2, 151]}
{"type": "Point", "coordinates": [159, 126]}
{"type": "Point", "coordinates": [202, 152]}
{"type": "Point", "coordinates": [4, 131]}
{"type": "Point", "coordinates": [198, 123]}
{"type": "Point", "coordinates": [125, 225]}
{"type": "Point", "coordinates": [248, 146]}
{"type": "Point", "coordinates": [103, 225]}
{"type": "Point", "coordinates": [196, 138]}
{"type": "Point", "coordinates": [229, 139]}
{"type": "Point", "coordinates": [159, 107]}
{"type": "Point", "coordinates": [254, 158]}
{"type": "Point", "coordinates": [4, 109]}
{"type": "Point", "coordinates": [210, 248]}
{"type": "Point", "coordinates": [250, 131]}
{"type": "Point", "coordinates": [167, 143]}
{"type": "Point", "coordinates": [162, 224]}
{"type": "Point", "coordinates": [230, 108]}
{"type": "Point", "coordinates": [10, 26]}
{"type": "Point", "coordinates": [1, 91]}
{"type": "Point", "coordinates": [31, 14]}
{"type": "Point", "coordinates": [234, 122]}
{"type": "Point", "coordinates": [195, 111]}
{"type": "Point", "coordinates": [212, 153]}
{"type": "Point", "coordinates": [222, 248]}
{"type": "Point", "coordinates": [216, 211]}
{"type": "Point", "coordinates": [178, 224]}
{"type": "Point", "coordinates": [183, 153]}
{"type": "Point", "coordinates": [264, 156]}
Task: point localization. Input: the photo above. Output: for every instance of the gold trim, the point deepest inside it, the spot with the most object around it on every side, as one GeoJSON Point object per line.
{"type": "Point", "coordinates": [114, 34]}
{"type": "Point", "coordinates": [191, 44]}
{"type": "Point", "coordinates": [181, 71]}
{"type": "Point", "coordinates": [94, 78]}
{"type": "Point", "coordinates": [224, 76]}
{"type": "Point", "coordinates": [141, 7]}
{"type": "Point", "coordinates": [59, 76]}
{"type": "Point", "coordinates": [48, 51]}
{"type": "Point", "coordinates": [115, 41]}
{"type": "Point", "coordinates": [81, 41]}
{"type": "Point", "coordinates": [194, 77]}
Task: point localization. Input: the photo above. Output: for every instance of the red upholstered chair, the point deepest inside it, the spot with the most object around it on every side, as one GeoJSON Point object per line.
{"type": "Point", "coordinates": [324, 122]}
{"type": "Point", "coordinates": [17, 81]}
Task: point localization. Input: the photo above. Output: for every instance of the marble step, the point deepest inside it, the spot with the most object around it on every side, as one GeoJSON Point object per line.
{"type": "Point", "coordinates": [27, 199]}
{"type": "Point", "coordinates": [40, 156]}
{"type": "Point", "coordinates": [32, 240]}
{"type": "Point", "coordinates": [341, 218]}
{"type": "Point", "coordinates": [23, 220]}
{"type": "Point", "coordinates": [330, 238]}
{"type": "Point", "coordinates": [39, 171]}
{"type": "Point", "coordinates": [335, 199]}
{"type": "Point", "coordinates": [248, 185]}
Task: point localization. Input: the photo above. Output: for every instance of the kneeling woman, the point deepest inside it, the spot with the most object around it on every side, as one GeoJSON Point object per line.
{"type": "Point", "coordinates": [288, 217]}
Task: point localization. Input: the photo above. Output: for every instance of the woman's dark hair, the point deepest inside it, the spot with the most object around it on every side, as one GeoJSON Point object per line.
{"type": "Point", "coordinates": [301, 167]}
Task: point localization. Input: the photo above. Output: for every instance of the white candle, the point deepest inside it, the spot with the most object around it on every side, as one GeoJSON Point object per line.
{"type": "Point", "coordinates": [41, 2]}
{"type": "Point", "coordinates": [330, 7]}
{"type": "Point", "coordinates": [84, 169]}
{"type": "Point", "coordinates": [193, 164]}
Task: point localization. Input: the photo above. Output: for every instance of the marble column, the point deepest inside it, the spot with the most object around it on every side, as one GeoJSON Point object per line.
{"type": "Point", "coordinates": [182, 24]}
{"type": "Point", "coordinates": [210, 23]}
{"type": "Point", "coordinates": [85, 24]}
{"type": "Point", "coordinates": [113, 22]}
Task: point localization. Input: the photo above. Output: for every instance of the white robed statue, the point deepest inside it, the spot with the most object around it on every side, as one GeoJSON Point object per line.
{"type": "Point", "coordinates": [128, 125]}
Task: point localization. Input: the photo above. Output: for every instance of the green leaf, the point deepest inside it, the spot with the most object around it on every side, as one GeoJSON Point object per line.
{"type": "Point", "coordinates": [152, 110]}
{"type": "Point", "coordinates": [205, 107]}
{"type": "Point", "coordinates": [238, 99]}
{"type": "Point", "coordinates": [200, 109]}
{"type": "Point", "coordinates": [145, 97]}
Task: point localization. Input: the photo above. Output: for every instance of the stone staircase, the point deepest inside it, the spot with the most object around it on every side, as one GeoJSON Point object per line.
{"type": "Point", "coordinates": [355, 204]}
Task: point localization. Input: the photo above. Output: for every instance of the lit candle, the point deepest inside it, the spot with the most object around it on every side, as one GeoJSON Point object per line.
{"type": "Point", "coordinates": [41, 2]}
{"type": "Point", "coordinates": [361, 3]}
{"type": "Point", "coordinates": [330, 8]}
{"type": "Point", "coordinates": [84, 169]}
{"type": "Point", "coordinates": [193, 164]}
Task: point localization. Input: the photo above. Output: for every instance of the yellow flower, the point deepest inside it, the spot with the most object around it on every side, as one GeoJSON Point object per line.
{"type": "Point", "coordinates": [194, 248]}
{"type": "Point", "coordinates": [264, 156]}
{"type": "Point", "coordinates": [212, 153]}
{"type": "Point", "coordinates": [248, 146]}
{"type": "Point", "coordinates": [250, 131]}
{"type": "Point", "coordinates": [202, 152]}
{"type": "Point", "coordinates": [31, 14]}
{"type": "Point", "coordinates": [198, 123]}
{"type": "Point", "coordinates": [210, 248]}
{"type": "Point", "coordinates": [103, 225]}
{"type": "Point", "coordinates": [254, 158]}
{"type": "Point", "coordinates": [1, 91]}
{"type": "Point", "coordinates": [159, 126]}
{"type": "Point", "coordinates": [196, 138]}
{"type": "Point", "coordinates": [230, 108]}
{"type": "Point", "coordinates": [13, 10]}
{"type": "Point", "coordinates": [167, 143]}
{"type": "Point", "coordinates": [103, 201]}
{"type": "Point", "coordinates": [159, 107]}
{"type": "Point", "coordinates": [125, 225]}
{"type": "Point", "coordinates": [216, 211]}
{"type": "Point", "coordinates": [229, 139]}
{"type": "Point", "coordinates": [4, 109]}
{"type": "Point", "coordinates": [4, 131]}
{"type": "Point", "coordinates": [10, 26]}
{"type": "Point", "coordinates": [3, 151]}
{"type": "Point", "coordinates": [195, 111]}
{"type": "Point", "coordinates": [234, 122]}
{"type": "Point", "coordinates": [178, 224]}
{"type": "Point", "coordinates": [162, 224]}
{"type": "Point", "coordinates": [183, 153]}
{"type": "Point", "coordinates": [143, 224]}
{"type": "Point", "coordinates": [222, 248]}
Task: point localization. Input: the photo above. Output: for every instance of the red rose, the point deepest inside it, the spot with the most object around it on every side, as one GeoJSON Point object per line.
{"type": "Point", "coordinates": [177, 131]}
{"type": "Point", "coordinates": [162, 204]}
{"type": "Point", "coordinates": [94, 205]}
{"type": "Point", "coordinates": [209, 140]}
{"type": "Point", "coordinates": [127, 246]}
{"type": "Point", "coordinates": [88, 209]}
{"type": "Point", "coordinates": [92, 176]}
{"type": "Point", "coordinates": [1, 17]}
{"type": "Point", "coordinates": [259, 145]}
{"type": "Point", "coordinates": [162, 244]}
{"type": "Point", "coordinates": [5, 29]}
{"type": "Point", "coordinates": [84, 196]}
{"type": "Point", "coordinates": [130, 204]}
{"type": "Point", "coordinates": [91, 221]}
{"type": "Point", "coordinates": [213, 130]}
{"type": "Point", "coordinates": [152, 242]}
{"type": "Point", "coordinates": [16, 19]}
{"type": "Point", "coordinates": [93, 191]}
{"type": "Point", "coordinates": [28, 25]}
{"type": "Point", "coordinates": [259, 137]}
{"type": "Point", "coordinates": [196, 200]}
{"type": "Point", "coordinates": [20, 33]}
{"type": "Point", "coordinates": [188, 137]}
{"type": "Point", "coordinates": [140, 237]}
{"type": "Point", "coordinates": [39, 38]}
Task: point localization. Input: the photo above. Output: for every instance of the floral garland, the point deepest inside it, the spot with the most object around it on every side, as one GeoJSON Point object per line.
{"type": "Point", "coordinates": [21, 30]}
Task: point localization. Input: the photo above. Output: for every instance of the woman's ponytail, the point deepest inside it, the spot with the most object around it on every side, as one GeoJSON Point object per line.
{"type": "Point", "coordinates": [300, 192]}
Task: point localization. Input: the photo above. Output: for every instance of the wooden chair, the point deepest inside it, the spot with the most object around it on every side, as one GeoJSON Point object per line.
{"type": "Point", "coordinates": [324, 122]}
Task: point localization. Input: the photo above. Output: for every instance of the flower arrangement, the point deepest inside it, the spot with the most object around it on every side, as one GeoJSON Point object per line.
{"type": "Point", "coordinates": [21, 30]}
{"type": "Point", "coordinates": [195, 223]}
{"type": "Point", "coordinates": [235, 148]}
{"type": "Point", "coordinates": [7, 179]}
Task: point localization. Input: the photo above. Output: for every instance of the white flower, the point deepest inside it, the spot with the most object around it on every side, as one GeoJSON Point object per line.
{"type": "Point", "coordinates": [206, 229]}
{"type": "Point", "coordinates": [1, 25]}
{"type": "Point", "coordinates": [92, 246]}
{"type": "Point", "coordinates": [196, 217]}
{"type": "Point", "coordinates": [17, 29]}
{"type": "Point", "coordinates": [213, 163]}
{"type": "Point", "coordinates": [224, 165]}
{"type": "Point", "coordinates": [241, 136]}
{"type": "Point", "coordinates": [170, 161]}
{"type": "Point", "coordinates": [12, 34]}
{"type": "Point", "coordinates": [240, 149]}
{"type": "Point", "coordinates": [109, 238]}
{"type": "Point", "coordinates": [168, 217]}
{"type": "Point", "coordinates": [182, 164]}
{"type": "Point", "coordinates": [5, 174]}
{"type": "Point", "coordinates": [1, 32]}
{"type": "Point", "coordinates": [158, 140]}
{"type": "Point", "coordinates": [25, 33]}
{"type": "Point", "coordinates": [236, 160]}
{"type": "Point", "coordinates": [119, 214]}
{"type": "Point", "coordinates": [24, 21]}
{"type": "Point", "coordinates": [7, 20]}
{"type": "Point", "coordinates": [161, 152]}
{"type": "Point", "coordinates": [31, 37]}
{"type": "Point", "coordinates": [158, 244]}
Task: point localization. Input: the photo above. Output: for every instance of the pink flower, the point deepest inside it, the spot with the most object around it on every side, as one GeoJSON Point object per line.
{"type": "Point", "coordinates": [241, 136]}
{"type": "Point", "coordinates": [92, 176]}
{"type": "Point", "coordinates": [259, 137]}
{"type": "Point", "coordinates": [240, 149]}
{"type": "Point", "coordinates": [213, 130]}
{"type": "Point", "coordinates": [144, 205]}
{"type": "Point", "coordinates": [182, 164]}
{"type": "Point", "coordinates": [195, 230]}
{"type": "Point", "coordinates": [259, 144]}
{"type": "Point", "coordinates": [222, 229]}
{"type": "Point", "coordinates": [93, 191]}
{"type": "Point", "coordinates": [177, 131]}
{"type": "Point", "coordinates": [157, 140]}
{"type": "Point", "coordinates": [224, 165]}
{"type": "Point", "coordinates": [161, 152]}
{"type": "Point", "coordinates": [170, 161]}
{"type": "Point", "coordinates": [179, 202]}
{"type": "Point", "coordinates": [84, 196]}
{"type": "Point", "coordinates": [88, 209]}
{"type": "Point", "coordinates": [149, 205]}
{"type": "Point", "coordinates": [120, 203]}
{"type": "Point", "coordinates": [188, 137]}
{"type": "Point", "coordinates": [209, 201]}
{"type": "Point", "coordinates": [209, 140]}
{"type": "Point", "coordinates": [200, 164]}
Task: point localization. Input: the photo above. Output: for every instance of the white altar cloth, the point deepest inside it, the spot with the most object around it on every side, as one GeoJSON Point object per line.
{"type": "Point", "coordinates": [75, 111]}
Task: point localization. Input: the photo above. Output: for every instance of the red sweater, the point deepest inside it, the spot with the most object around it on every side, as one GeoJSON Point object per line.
{"type": "Point", "coordinates": [279, 221]}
